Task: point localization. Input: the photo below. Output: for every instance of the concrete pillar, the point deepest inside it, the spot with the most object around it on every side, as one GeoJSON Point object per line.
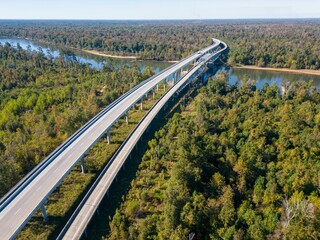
{"type": "Point", "coordinates": [127, 117]}
{"type": "Point", "coordinates": [44, 213]}
{"type": "Point", "coordinates": [83, 166]}
{"type": "Point", "coordinates": [176, 77]}
{"type": "Point", "coordinates": [164, 86]}
{"type": "Point", "coordinates": [108, 137]}
{"type": "Point", "coordinates": [141, 104]}
{"type": "Point", "coordinates": [153, 95]}
{"type": "Point", "coordinates": [157, 87]}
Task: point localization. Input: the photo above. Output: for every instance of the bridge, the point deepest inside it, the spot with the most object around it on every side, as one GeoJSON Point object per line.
{"type": "Point", "coordinates": [31, 193]}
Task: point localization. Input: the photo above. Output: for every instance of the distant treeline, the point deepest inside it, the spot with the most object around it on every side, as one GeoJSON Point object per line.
{"type": "Point", "coordinates": [278, 43]}
{"type": "Point", "coordinates": [240, 164]}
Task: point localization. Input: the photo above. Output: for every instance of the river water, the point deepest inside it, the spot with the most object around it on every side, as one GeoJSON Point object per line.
{"type": "Point", "coordinates": [260, 76]}
{"type": "Point", "coordinates": [83, 57]}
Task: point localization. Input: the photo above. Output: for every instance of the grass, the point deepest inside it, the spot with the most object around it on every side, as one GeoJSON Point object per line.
{"type": "Point", "coordinates": [64, 200]}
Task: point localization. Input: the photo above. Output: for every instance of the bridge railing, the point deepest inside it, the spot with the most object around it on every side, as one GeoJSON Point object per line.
{"type": "Point", "coordinates": [96, 182]}
{"type": "Point", "coordinates": [5, 200]}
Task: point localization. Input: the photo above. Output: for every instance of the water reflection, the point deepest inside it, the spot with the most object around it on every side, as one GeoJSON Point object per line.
{"type": "Point", "coordinates": [261, 77]}
{"type": "Point", "coordinates": [83, 57]}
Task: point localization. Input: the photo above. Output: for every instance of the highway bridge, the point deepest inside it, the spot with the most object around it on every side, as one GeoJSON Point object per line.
{"type": "Point", "coordinates": [31, 193]}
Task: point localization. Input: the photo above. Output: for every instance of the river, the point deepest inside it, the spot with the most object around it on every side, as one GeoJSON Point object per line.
{"type": "Point", "coordinates": [260, 76]}
{"type": "Point", "coordinates": [83, 57]}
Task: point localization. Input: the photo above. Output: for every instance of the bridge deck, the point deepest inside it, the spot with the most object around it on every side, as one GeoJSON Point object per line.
{"type": "Point", "coordinates": [22, 204]}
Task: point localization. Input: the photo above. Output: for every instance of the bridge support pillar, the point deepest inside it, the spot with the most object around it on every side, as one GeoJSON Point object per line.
{"type": "Point", "coordinates": [141, 104]}
{"type": "Point", "coordinates": [127, 117]}
{"type": "Point", "coordinates": [153, 94]}
{"type": "Point", "coordinates": [176, 77]}
{"type": "Point", "coordinates": [108, 137]}
{"type": "Point", "coordinates": [157, 87]}
{"type": "Point", "coordinates": [44, 213]}
{"type": "Point", "coordinates": [164, 86]}
{"type": "Point", "coordinates": [83, 166]}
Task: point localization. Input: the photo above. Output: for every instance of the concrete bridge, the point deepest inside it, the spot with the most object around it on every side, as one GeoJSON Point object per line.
{"type": "Point", "coordinates": [31, 193]}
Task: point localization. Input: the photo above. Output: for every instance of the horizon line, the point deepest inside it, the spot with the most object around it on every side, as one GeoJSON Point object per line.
{"type": "Point", "coordinates": [160, 19]}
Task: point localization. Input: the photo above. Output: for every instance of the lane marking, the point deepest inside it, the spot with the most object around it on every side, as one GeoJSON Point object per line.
{"type": "Point", "coordinates": [17, 211]}
{"type": "Point", "coordinates": [39, 188]}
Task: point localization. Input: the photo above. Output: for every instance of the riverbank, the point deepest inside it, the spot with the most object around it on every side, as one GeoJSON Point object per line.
{"type": "Point", "coordinates": [287, 70]}
{"type": "Point", "coordinates": [94, 52]}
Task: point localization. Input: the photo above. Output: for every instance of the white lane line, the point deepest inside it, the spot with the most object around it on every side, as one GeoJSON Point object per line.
{"type": "Point", "coordinates": [39, 188]}
{"type": "Point", "coordinates": [56, 170]}
{"type": "Point", "coordinates": [17, 211]}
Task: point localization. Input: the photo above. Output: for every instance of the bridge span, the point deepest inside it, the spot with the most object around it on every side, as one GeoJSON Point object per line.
{"type": "Point", "coordinates": [31, 193]}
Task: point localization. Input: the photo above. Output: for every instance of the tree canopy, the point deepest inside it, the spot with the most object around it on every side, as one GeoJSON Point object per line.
{"type": "Point", "coordinates": [244, 165]}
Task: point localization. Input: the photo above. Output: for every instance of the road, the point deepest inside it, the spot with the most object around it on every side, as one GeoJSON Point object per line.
{"type": "Point", "coordinates": [21, 206]}
{"type": "Point", "coordinates": [79, 221]}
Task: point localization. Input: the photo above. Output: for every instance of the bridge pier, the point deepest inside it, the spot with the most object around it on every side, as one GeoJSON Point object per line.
{"type": "Point", "coordinates": [44, 213]}
{"type": "Point", "coordinates": [141, 104]}
{"type": "Point", "coordinates": [108, 136]}
{"type": "Point", "coordinates": [127, 117]}
{"type": "Point", "coordinates": [83, 166]}
{"type": "Point", "coordinates": [157, 87]}
{"type": "Point", "coordinates": [153, 95]}
{"type": "Point", "coordinates": [164, 86]}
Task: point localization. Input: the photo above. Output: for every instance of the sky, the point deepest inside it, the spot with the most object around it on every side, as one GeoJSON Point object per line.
{"type": "Point", "coordinates": [158, 9]}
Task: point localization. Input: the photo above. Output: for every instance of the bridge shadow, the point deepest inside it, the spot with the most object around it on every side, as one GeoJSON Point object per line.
{"type": "Point", "coordinates": [99, 225]}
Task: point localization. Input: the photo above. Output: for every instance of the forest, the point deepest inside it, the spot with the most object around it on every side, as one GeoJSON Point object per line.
{"type": "Point", "coordinates": [238, 163]}
{"type": "Point", "coordinates": [291, 44]}
{"type": "Point", "coordinates": [43, 101]}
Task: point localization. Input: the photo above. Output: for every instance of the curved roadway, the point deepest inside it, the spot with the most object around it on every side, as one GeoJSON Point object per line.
{"type": "Point", "coordinates": [83, 214]}
{"type": "Point", "coordinates": [30, 196]}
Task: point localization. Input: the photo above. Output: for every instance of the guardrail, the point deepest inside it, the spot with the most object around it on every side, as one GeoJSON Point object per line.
{"type": "Point", "coordinates": [96, 182]}
{"type": "Point", "coordinates": [82, 203]}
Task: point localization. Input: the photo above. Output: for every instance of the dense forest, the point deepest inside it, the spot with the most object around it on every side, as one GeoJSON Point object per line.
{"type": "Point", "coordinates": [239, 163]}
{"type": "Point", "coordinates": [44, 100]}
{"type": "Point", "coordinates": [291, 44]}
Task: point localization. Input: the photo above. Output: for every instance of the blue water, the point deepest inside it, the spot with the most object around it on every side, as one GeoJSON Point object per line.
{"type": "Point", "coordinates": [259, 76]}
{"type": "Point", "coordinates": [271, 77]}
{"type": "Point", "coordinates": [83, 57]}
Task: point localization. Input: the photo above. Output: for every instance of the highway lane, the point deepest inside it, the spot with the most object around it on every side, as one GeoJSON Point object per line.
{"type": "Point", "coordinates": [15, 215]}
{"type": "Point", "coordinates": [79, 221]}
